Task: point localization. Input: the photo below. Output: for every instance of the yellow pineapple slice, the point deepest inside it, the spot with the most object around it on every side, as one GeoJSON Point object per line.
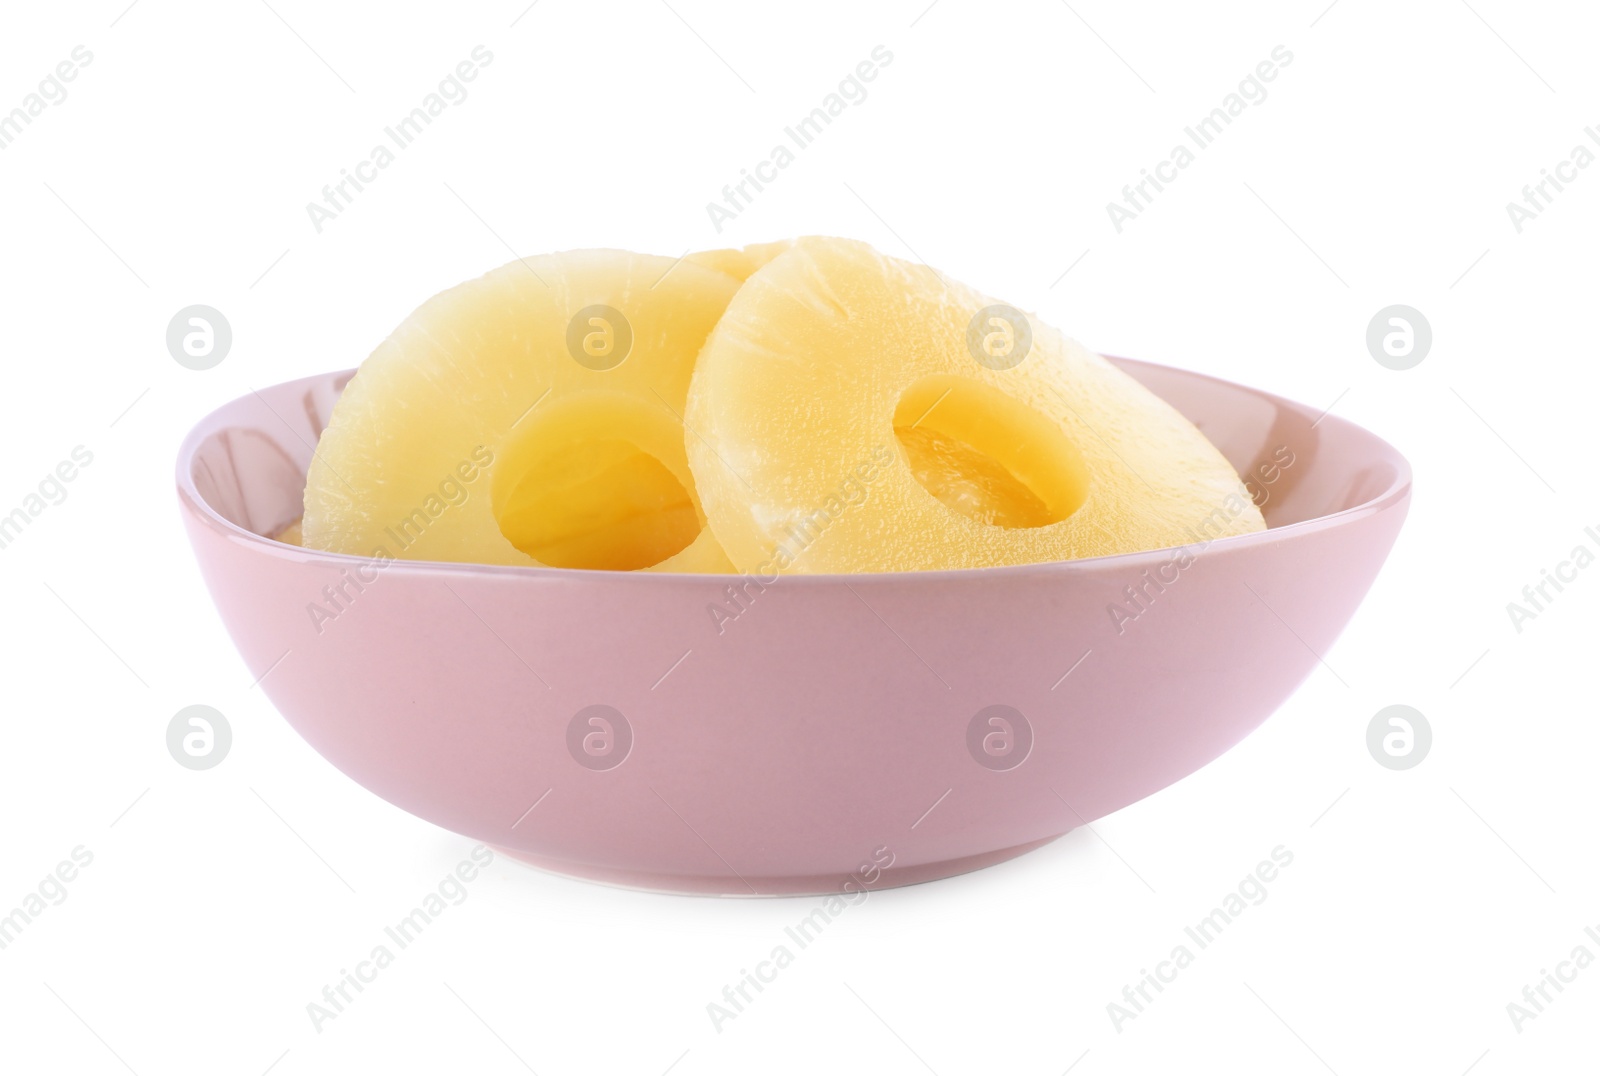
{"type": "Point", "coordinates": [530, 417]}
{"type": "Point", "coordinates": [853, 412]}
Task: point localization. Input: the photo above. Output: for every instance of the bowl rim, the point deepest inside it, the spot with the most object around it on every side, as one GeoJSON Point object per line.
{"type": "Point", "coordinates": [1397, 491]}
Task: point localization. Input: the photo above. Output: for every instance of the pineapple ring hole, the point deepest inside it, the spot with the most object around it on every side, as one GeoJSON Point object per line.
{"type": "Point", "coordinates": [988, 455]}
{"type": "Point", "coordinates": [596, 480]}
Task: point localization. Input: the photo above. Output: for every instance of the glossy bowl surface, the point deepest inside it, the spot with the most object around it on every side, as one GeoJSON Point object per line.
{"type": "Point", "coordinates": [823, 733]}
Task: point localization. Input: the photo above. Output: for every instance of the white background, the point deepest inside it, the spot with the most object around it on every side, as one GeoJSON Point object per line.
{"type": "Point", "coordinates": [1377, 171]}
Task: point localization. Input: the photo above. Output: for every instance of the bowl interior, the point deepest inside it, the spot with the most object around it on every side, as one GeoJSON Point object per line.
{"type": "Point", "coordinates": [247, 461]}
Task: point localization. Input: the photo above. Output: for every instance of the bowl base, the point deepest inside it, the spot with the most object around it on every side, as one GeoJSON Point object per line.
{"type": "Point", "coordinates": [731, 885]}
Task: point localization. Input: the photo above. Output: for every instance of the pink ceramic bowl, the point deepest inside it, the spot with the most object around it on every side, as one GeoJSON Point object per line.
{"type": "Point", "coordinates": [842, 732]}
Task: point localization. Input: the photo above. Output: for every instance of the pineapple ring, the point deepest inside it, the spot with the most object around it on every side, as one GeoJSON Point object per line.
{"type": "Point", "coordinates": [529, 417]}
{"type": "Point", "coordinates": [850, 415]}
